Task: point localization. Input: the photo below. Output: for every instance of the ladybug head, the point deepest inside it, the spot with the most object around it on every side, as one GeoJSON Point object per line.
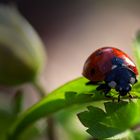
{"type": "Point", "coordinates": [121, 79]}
{"type": "Point", "coordinates": [123, 88]}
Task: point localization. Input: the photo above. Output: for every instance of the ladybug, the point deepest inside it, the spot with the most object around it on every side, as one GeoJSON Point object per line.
{"type": "Point", "coordinates": [112, 68]}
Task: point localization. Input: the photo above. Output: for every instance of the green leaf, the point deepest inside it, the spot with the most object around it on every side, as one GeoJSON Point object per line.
{"type": "Point", "coordinates": [72, 93]}
{"type": "Point", "coordinates": [136, 135]}
{"type": "Point", "coordinates": [116, 118]}
{"type": "Point", "coordinates": [70, 125]}
{"type": "Point", "coordinates": [93, 120]}
{"type": "Point", "coordinates": [124, 114]}
{"type": "Point", "coordinates": [75, 92]}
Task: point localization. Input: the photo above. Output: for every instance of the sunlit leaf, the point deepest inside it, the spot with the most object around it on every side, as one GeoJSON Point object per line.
{"type": "Point", "coordinates": [115, 119]}
{"type": "Point", "coordinates": [75, 92]}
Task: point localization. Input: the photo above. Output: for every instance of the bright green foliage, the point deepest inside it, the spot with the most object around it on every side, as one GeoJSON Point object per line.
{"type": "Point", "coordinates": [115, 119]}
{"type": "Point", "coordinates": [75, 92]}
{"type": "Point", "coordinates": [66, 121]}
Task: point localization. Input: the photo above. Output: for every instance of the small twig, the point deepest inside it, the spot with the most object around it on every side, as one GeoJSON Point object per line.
{"type": "Point", "coordinates": [42, 92]}
{"type": "Point", "coordinates": [17, 103]}
{"type": "Point", "coordinates": [51, 129]}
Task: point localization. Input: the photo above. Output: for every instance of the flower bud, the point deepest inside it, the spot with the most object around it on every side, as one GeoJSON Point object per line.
{"type": "Point", "coordinates": [21, 50]}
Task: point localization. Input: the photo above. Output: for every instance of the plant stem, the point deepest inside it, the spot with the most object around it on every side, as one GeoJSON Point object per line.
{"type": "Point", "coordinates": [42, 92]}
{"type": "Point", "coordinates": [51, 129]}
{"type": "Point", "coordinates": [50, 121]}
{"type": "Point", "coordinates": [18, 101]}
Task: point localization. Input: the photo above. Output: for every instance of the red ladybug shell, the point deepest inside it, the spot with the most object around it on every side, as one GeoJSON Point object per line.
{"type": "Point", "coordinates": [99, 63]}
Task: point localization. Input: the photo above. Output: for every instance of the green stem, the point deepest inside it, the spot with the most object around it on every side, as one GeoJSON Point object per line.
{"type": "Point", "coordinates": [18, 102]}
{"type": "Point", "coordinates": [50, 121]}
{"type": "Point", "coordinates": [42, 92]}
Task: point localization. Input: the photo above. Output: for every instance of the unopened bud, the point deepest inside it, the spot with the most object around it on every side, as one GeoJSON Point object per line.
{"type": "Point", "coordinates": [21, 50]}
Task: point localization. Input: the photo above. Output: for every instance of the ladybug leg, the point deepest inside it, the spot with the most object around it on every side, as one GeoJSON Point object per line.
{"type": "Point", "coordinates": [130, 97]}
{"type": "Point", "coordinates": [113, 100]}
{"type": "Point", "coordinates": [105, 88]}
{"type": "Point", "coordinates": [102, 87]}
{"type": "Point", "coordinates": [119, 98]}
{"type": "Point", "coordinates": [106, 91]}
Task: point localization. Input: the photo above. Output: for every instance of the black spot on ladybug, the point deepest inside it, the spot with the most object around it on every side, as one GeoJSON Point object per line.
{"type": "Point", "coordinates": [99, 52]}
{"type": "Point", "coordinates": [92, 71]}
{"type": "Point", "coordinates": [110, 70]}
